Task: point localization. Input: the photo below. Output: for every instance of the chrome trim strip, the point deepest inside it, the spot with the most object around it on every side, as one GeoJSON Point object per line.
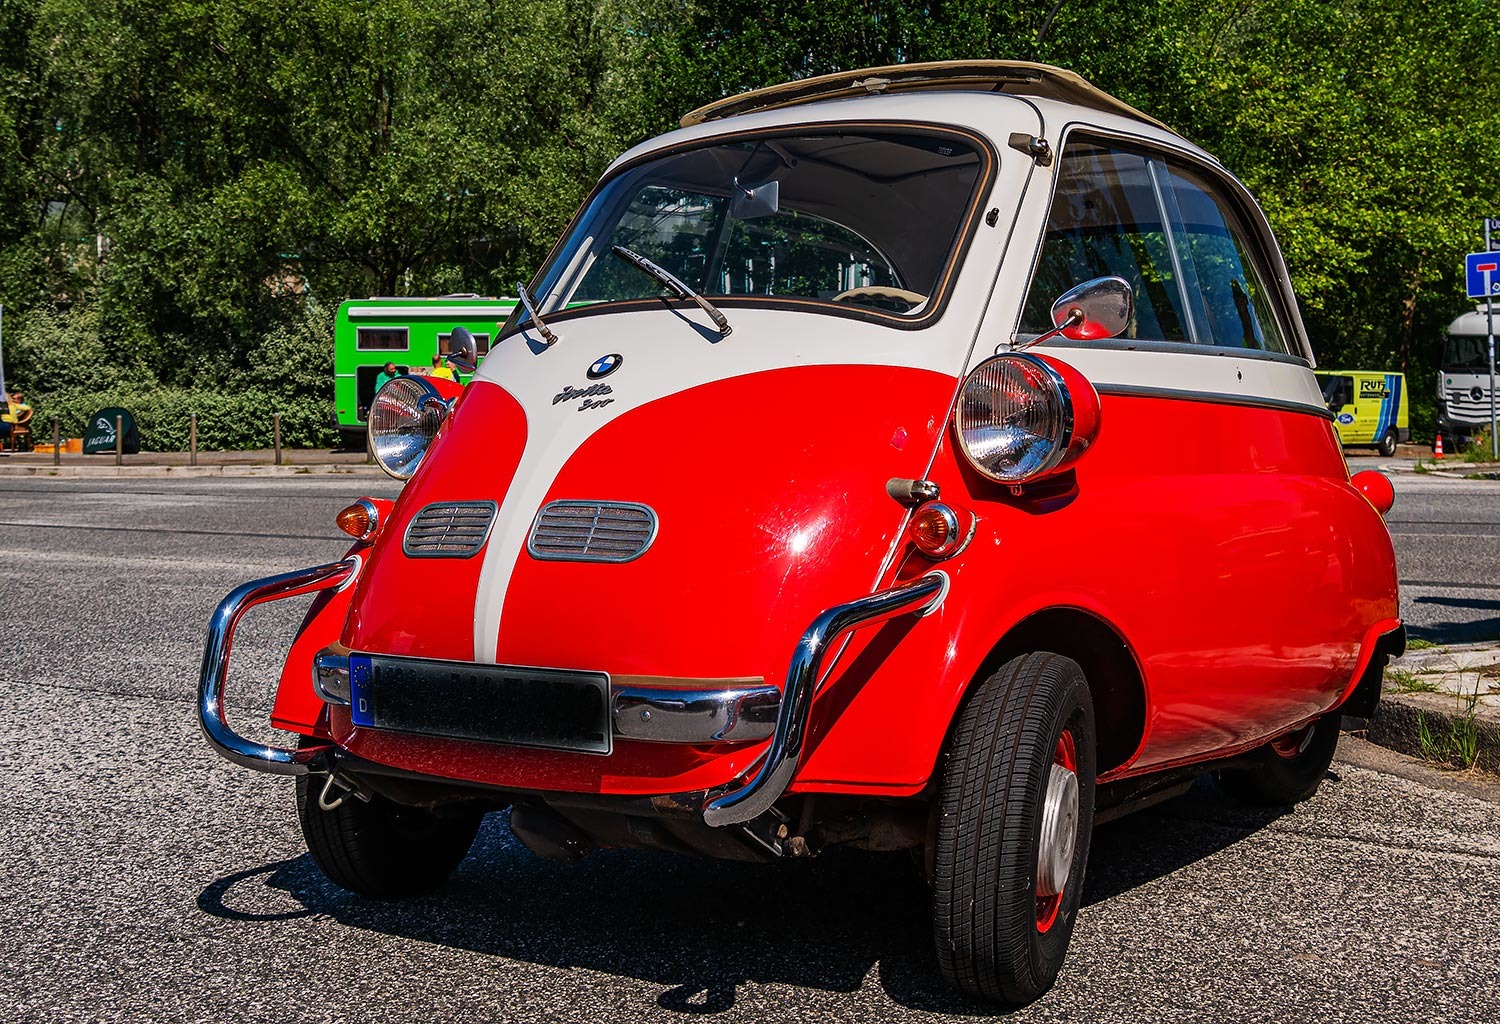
{"type": "Point", "coordinates": [779, 765]}
{"type": "Point", "coordinates": [211, 679]}
{"type": "Point", "coordinates": [1264, 355]}
{"type": "Point", "coordinates": [695, 716]}
{"type": "Point", "coordinates": [1216, 398]}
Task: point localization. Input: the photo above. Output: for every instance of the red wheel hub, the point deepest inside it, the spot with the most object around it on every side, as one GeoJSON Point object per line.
{"type": "Point", "coordinates": [1059, 833]}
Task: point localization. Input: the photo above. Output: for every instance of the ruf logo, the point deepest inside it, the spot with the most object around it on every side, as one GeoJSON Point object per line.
{"type": "Point", "coordinates": [605, 365]}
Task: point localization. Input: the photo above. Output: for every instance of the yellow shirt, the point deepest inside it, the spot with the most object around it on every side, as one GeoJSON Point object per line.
{"type": "Point", "coordinates": [444, 372]}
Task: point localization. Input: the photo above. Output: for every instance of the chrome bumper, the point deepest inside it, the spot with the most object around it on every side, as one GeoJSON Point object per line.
{"type": "Point", "coordinates": [243, 752]}
{"type": "Point", "coordinates": [659, 714]}
{"type": "Point", "coordinates": [757, 795]}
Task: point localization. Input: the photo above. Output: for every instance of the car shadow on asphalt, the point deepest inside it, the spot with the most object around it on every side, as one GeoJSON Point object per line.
{"type": "Point", "coordinates": [702, 928]}
{"type": "Point", "coordinates": [1462, 632]}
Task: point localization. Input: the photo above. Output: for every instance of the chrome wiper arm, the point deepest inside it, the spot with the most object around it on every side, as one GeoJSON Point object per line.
{"type": "Point", "coordinates": [676, 284]}
{"type": "Point", "coordinates": [530, 304]}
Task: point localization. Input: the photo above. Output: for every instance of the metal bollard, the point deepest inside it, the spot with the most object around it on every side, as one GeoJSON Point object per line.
{"type": "Point", "coordinates": [56, 441]}
{"type": "Point", "coordinates": [192, 439]}
{"type": "Point", "coordinates": [119, 442]}
{"type": "Point", "coordinates": [276, 430]}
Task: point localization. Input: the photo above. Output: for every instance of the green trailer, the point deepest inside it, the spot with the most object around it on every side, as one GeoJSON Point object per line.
{"type": "Point", "coordinates": [406, 331]}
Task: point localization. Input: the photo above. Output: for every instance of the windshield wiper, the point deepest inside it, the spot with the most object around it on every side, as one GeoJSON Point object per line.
{"type": "Point", "coordinates": [530, 304]}
{"type": "Point", "coordinates": [673, 282]}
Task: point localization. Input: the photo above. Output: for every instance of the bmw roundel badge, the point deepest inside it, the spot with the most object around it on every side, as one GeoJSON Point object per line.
{"type": "Point", "coordinates": [605, 365]}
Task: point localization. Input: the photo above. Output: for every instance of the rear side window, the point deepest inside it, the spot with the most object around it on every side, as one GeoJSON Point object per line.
{"type": "Point", "coordinates": [1160, 226]}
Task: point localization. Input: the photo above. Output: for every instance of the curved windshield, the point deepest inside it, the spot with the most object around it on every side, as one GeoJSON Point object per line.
{"type": "Point", "coordinates": [868, 222]}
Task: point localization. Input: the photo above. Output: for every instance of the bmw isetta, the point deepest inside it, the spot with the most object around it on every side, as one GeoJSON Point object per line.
{"type": "Point", "coordinates": [925, 457]}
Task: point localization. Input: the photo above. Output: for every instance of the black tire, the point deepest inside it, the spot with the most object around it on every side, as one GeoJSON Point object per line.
{"type": "Point", "coordinates": [992, 940]}
{"type": "Point", "coordinates": [1289, 770]}
{"type": "Point", "coordinates": [381, 848]}
{"type": "Point", "coordinates": [1388, 443]}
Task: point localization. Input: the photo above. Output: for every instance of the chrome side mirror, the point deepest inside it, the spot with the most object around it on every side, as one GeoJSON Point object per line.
{"type": "Point", "coordinates": [1091, 311]}
{"type": "Point", "coordinates": [463, 351]}
{"type": "Point", "coordinates": [1094, 310]}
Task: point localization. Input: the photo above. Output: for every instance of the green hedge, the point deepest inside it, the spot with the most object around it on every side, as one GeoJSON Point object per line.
{"type": "Point", "coordinates": [70, 369]}
{"type": "Point", "coordinates": [226, 419]}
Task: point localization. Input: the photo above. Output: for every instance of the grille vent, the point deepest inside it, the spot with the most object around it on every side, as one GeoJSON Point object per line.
{"type": "Point", "coordinates": [449, 529]}
{"type": "Point", "coordinates": [591, 531]}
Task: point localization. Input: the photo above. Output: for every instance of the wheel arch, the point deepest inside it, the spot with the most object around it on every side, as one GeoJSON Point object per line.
{"type": "Point", "coordinates": [1108, 663]}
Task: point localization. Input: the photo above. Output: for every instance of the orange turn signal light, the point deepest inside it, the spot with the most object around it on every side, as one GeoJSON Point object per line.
{"type": "Point", "coordinates": [360, 520]}
{"type": "Point", "coordinates": [939, 530]}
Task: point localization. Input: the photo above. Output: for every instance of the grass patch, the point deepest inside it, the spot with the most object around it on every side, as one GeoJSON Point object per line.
{"type": "Point", "coordinates": [1455, 742]}
{"type": "Point", "coordinates": [1420, 644]}
{"type": "Point", "coordinates": [1421, 468]}
{"type": "Point", "coordinates": [1398, 680]}
{"type": "Point", "coordinates": [1478, 449]}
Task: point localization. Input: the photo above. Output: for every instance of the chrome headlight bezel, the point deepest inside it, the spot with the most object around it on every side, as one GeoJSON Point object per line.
{"type": "Point", "coordinates": [404, 417]}
{"type": "Point", "coordinates": [985, 420]}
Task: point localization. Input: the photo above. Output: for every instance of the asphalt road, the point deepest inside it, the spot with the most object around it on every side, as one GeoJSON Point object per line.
{"type": "Point", "coordinates": [145, 879]}
{"type": "Point", "coordinates": [1447, 535]}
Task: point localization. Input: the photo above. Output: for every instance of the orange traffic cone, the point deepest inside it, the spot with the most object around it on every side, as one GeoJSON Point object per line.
{"type": "Point", "coordinates": [1437, 449]}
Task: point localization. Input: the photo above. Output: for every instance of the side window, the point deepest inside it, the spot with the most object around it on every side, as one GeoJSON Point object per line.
{"type": "Point", "coordinates": [1106, 221]}
{"type": "Point", "coordinates": [380, 339]}
{"type": "Point", "coordinates": [1235, 307]}
{"type": "Point", "coordinates": [1159, 226]}
{"type": "Point", "coordinates": [1338, 389]}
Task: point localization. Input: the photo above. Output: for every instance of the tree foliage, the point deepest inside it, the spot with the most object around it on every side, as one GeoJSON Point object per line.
{"type": "Point", "coordinates": [183, 180]}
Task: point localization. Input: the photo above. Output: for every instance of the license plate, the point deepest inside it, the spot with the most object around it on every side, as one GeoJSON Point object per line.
{"type": "Point", "coordinates": [512, 704]}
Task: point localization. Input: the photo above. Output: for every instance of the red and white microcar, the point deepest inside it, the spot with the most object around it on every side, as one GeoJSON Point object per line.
{"type": "Point", "coordinates": [926, 457]}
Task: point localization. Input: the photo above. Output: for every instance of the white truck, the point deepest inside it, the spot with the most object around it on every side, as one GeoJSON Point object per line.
{"type": "Point", "coordinates": [1463, 380]}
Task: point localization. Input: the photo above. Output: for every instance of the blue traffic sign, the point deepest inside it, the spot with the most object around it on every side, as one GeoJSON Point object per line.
{"type": "Point", "coordinates": [1478, 265]}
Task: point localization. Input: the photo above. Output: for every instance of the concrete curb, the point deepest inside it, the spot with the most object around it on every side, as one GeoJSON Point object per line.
{"type": "Point", "coordinates": [137, 472]}
{"type": "Point", "coordinates": [1463, 706]}
{"type": "Point", "coordinates": [1400, 718]}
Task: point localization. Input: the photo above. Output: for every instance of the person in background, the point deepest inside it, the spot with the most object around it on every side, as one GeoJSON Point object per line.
{"type": "Point", "coordinates": [16, 413]}
{"type": "Point", "coordinates": [386, 375]}
{"type": "Point", "coordinates": [440, 368]}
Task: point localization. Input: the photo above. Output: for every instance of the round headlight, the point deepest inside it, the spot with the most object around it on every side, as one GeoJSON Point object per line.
{"type": "Point", "coordinates": [404, 418]}
{"type": "Point", "coordinates": [1014, 418]}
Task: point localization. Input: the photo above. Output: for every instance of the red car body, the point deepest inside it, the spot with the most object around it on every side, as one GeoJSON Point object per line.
{"type": "Point", "coordinates": [1200, 552]}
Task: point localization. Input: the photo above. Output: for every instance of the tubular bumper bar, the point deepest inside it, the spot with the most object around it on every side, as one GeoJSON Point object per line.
{"type": "Point", "coordinates": [243, 752]}
{"type": "Point", "coordinates": [757, 796]}
{"type": "Point", "coordinates": [697, 716]}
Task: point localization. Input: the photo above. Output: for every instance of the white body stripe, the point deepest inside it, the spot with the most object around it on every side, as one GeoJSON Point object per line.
{"type": "Point", "coordinates": [663, 352]}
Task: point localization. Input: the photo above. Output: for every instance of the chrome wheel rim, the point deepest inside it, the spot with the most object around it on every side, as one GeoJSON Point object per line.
{"type": "Point", "coordinates": [1059, 833]}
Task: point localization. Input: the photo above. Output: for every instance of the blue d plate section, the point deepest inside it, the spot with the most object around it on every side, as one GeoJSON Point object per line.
{"type": "Point", "coordinates": [511, 704]}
